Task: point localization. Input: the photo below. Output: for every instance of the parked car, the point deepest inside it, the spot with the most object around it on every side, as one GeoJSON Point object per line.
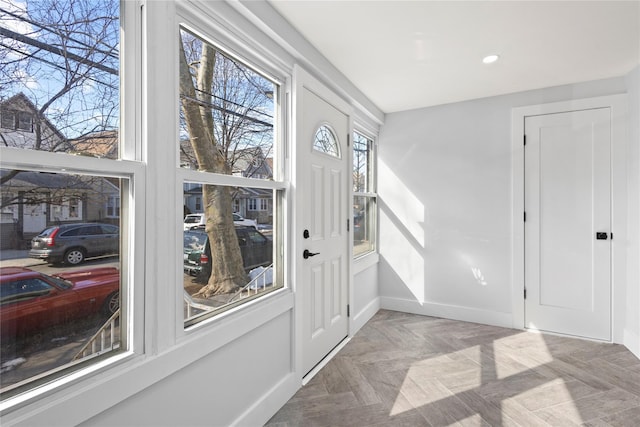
{"type": "Point", "coordinates": [238, 220]}
{"type": "Point", "coordinates": [195, 221]}
{"type": "Point", "coordinates": [31, 301]}
{"type": "Point", "coordinates": [72, 243]}
{"type": "Point", "coordinates": [256, 250]}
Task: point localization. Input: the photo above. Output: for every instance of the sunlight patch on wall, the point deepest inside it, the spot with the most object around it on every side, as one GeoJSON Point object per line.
{"type": "Point", "coordinates": [406, 207]}
{"type": "Point", "coordinates": [402, 256]}
{"type": "Point", "coordinates": [475, 270]}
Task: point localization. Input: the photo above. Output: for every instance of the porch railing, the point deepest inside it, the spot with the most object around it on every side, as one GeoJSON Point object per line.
{"type": "Point", "coordinates": [105, 339]}
{"type": "Point", "coordinates": [261, 281]}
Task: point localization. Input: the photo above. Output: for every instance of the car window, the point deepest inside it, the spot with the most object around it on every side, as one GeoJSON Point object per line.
{"type": "Point", "coordinates": [237, 217]}
{"type": "Point", "coordinates": [71, 233]}
{"type": "Point", "coordinates": [91, 230]}
{"type": "Point", "coordinates": [109, 229]}
{"type": "Point", "coordinates": [191, 219]}
{"type": "Point", "coordinates": [47, 232]}
{"type": "Point", "coordinates": [61, 283]}
{"type": "Point", "coordinates": [242, 237]}
{"type": "Point", "coordinates": [256, 237]}
{"type": "Point", "coordinates": [21, 289]}
{"type": "Point", "coordinates": [194, 241]}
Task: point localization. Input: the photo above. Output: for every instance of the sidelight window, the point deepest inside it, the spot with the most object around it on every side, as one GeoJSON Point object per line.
{"type": "Point", "coordinates": [364, 195]}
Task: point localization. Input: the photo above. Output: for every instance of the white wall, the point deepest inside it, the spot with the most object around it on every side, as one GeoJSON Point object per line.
{"type": "Point", "coordinates": [213, 390]}
{"type": "Point", "coordinates": [632, 321]}
{"type": "Point", "coordinates": [445, 204]}
{"type": "Point", "coordinates": [366, 294]}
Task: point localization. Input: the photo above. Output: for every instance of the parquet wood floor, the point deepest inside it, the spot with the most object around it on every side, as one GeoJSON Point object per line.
{"type": "Point", "coordinates": [407, 370]}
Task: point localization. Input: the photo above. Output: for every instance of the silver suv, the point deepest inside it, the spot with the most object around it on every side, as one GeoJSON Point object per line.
{"type": "Point", "coordinates": [72, 243]}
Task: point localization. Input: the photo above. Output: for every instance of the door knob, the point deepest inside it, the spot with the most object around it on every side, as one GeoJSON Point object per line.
{"type": "Point", "coordinates": [306, 254]}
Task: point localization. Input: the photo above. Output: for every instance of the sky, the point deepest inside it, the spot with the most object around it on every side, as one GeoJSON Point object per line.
{"type": "Point", "coordinates": [40, 71]}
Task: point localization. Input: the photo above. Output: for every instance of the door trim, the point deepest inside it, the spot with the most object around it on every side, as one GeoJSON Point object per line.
{"type": "Point", "coordinates": [301, 80]}
{"type": "Point", "coordinates": [618, 107]}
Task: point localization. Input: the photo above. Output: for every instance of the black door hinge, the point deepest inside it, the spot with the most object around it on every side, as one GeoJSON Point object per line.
{"type": "Point", "coordinates": [348, 310]}
{"type": "Point", "coordinates": [525, 293]}
{"type": "Point", "coordinates": [611, 236]}
{"type": "Point", "coordinates": [525, 217]}
{"type": "Point", "coordinates": [348, 140]}
{"type": "Point", "coordinates": [347, 225]}
{"type": "Point", "coordinates": [525, 139]}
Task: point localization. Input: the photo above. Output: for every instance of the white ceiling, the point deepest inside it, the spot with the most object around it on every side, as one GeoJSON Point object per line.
{"type": "Point", "coordinates": [410, 54]}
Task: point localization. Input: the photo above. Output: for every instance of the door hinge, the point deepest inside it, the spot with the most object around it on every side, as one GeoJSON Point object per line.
{"type": "Point", "coordinates": [524, 137]}
{"type": "Point", "coordinates": [525, 216]}
{"type": "Point", "coordinates": [348, 140]}
{"type": "Point", "coordinates": [611, 236]}
{"type": "Point", "coordinates": [347, 226]}
{"type": "Point", "coordinates": [348, 310]}
{"type": "Point", "coordinates": [525, 293]}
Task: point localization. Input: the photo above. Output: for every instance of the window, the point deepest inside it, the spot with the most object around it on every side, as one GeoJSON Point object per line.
{"type": "Point", "coordinates": [113, 206]}
{"type": "Point", "coordinates": [226, 132]}
{"type": "Point", "coordinates": [16, 120]}
{"type": "Point", "coordinates": [25, 122]}
{"type": "Point", "coordinates": [8, 119]}
{"type": "Point", "coordinates": [364, 196]}
{"type": "Point", "coordinates": [50, 192]}
{"type": "Point", "coordinates": [325, 141]}
{"type": "Point", "coordinates": [64, 204]}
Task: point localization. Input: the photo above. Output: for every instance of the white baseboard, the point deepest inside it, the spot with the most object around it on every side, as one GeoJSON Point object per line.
{"type": "Point", "coordinates": [466, 314]}
{"type": "Point", "coordinates": [264, 408]}
{"type": "Point", "coordinates": [364, 315]}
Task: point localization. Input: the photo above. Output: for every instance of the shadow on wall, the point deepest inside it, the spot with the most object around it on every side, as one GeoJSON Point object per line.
{"type": "Point", "coordinates": [401, 259]}
{"type": "Point", "coordinates": [443, 258]}
{"type": "Point", "coordinates": [402, 250]}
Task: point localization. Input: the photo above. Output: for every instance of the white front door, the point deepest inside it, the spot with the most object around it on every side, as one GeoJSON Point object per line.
{"type": "Point", "coordinates": [568, 223]}
{"type": "Point", "coordinates": [322, 234]}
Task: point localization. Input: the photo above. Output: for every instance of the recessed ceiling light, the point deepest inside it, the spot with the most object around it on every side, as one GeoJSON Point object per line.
{"type": "Point", "coordinates": [490, 59]}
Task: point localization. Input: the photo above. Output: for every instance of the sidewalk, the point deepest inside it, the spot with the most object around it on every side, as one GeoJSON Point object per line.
{"type": "Point", "coordinates": [17, 258]}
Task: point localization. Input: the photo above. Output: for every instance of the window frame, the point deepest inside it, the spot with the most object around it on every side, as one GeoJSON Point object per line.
{"type": "Point", "coordinates": [371, 190]}
{"type": "Point", "coordinates": [132, 172]}
{"type": "Point", "coordinates": [206, 31]}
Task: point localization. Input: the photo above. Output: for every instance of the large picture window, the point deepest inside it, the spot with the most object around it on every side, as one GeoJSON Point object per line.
{"type": "Point", "coordinates": [227, 121]}
{"type": "Point", "coordinates": [61, 237]}
{"type": "Point", "coordinates": [364, 195]}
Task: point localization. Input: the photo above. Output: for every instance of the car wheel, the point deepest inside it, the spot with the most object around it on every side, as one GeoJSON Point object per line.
{"type": "Point", "coordinates": [112, 303]}
{"type": "Point", "coordinates": [74, 256]}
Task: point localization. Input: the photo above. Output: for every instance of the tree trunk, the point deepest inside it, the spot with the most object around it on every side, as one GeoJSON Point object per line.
{"type": "Point", "coordinates": [227, 271]}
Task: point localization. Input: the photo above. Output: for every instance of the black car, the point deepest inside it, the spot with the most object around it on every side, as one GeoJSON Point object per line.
{"type": "Point", "coordinates": [72, 243]}
{"type": "Point", "coordinates": [256, 250]}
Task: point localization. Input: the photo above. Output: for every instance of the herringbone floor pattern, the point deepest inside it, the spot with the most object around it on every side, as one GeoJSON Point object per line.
{"type": "Point", "coordinates": [407, 370]}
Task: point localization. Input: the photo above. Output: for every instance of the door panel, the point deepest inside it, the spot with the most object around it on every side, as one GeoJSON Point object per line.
{"type": "Point", "coordinates": [568, 201]}
{"type": "Point", "coordinates": [322, 170]}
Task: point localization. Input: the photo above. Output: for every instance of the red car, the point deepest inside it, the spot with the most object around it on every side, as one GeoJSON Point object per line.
{"type": "Point", "coordinates": [32, 301]}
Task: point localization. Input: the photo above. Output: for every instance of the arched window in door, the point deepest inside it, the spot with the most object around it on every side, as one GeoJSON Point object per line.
{"type": "Point", "coordinates": [325, 141]}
